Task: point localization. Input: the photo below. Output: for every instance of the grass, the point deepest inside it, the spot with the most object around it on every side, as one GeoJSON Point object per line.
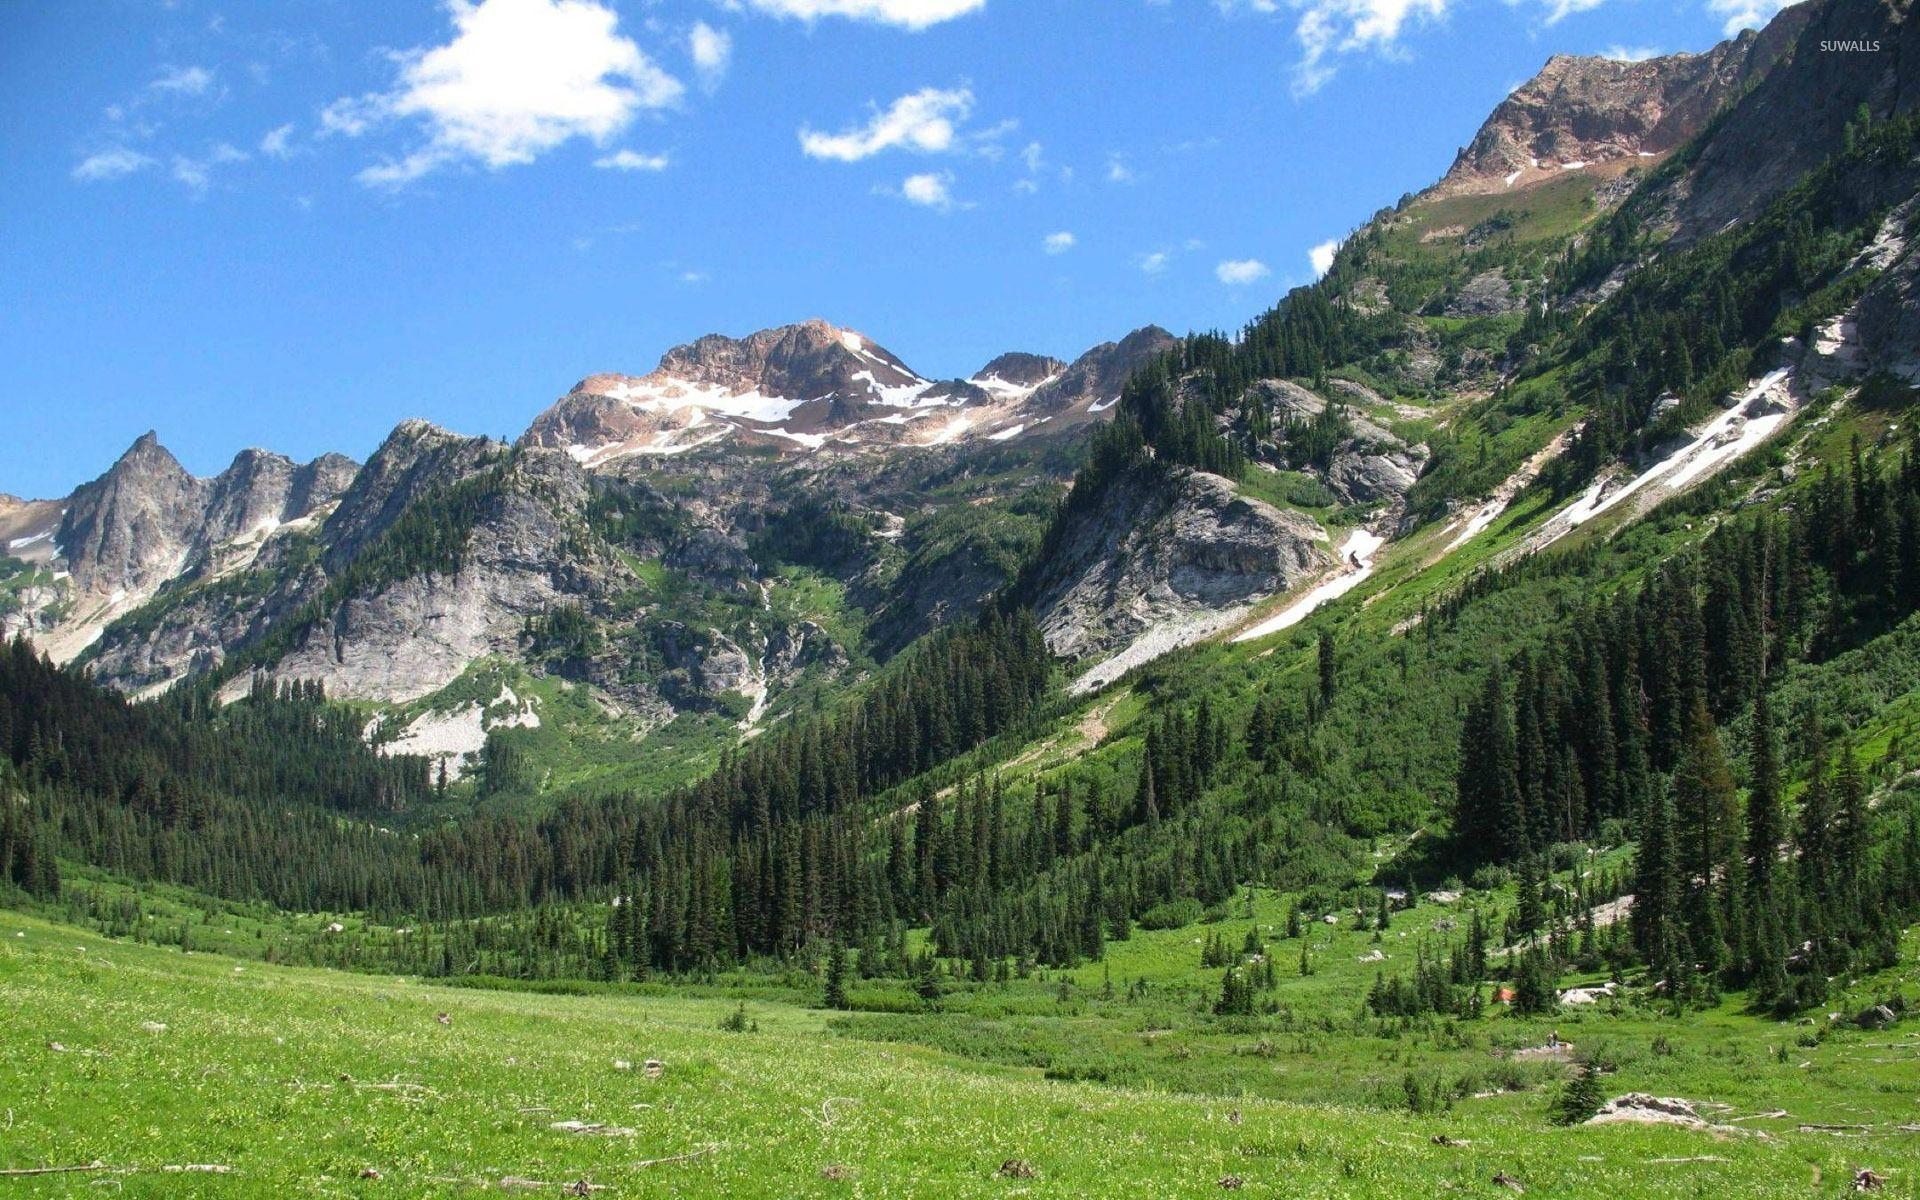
{"type": "Point", "coordinates": [1545, 212]}
{"type": "Point", "coordinates": [299, 1080]}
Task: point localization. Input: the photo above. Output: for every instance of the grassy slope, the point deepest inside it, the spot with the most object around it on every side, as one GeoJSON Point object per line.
{"type": "Point", "coordinates": [249, 1073]}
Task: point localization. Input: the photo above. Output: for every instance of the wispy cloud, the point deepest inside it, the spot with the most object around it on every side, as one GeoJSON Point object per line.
{"type": "Point", "coordinates": [1329, 30]}
{"type": "Point", "coordinates": [518, 78]}
{"type": "Point", "coordinates": [183, 81]}
{"type": "Point", "coordinates": [1745, 14]}
{"type": "Point", "coordinates": [278, 142]}
{"type": "Point", "coordinates": [1631, 53]}
{"type": "Point", "coordinates": [196, 172]}
{"type": "Point", "coordinates": [712, 53]}
{"type": "Point", "coordinates": [1059, 243]}
{"type": "Point", "coordinates": [906, 14]}
{"type": "Point", "coordinates": [1155, 263]}
{"type": "Point", "coordinates": [1560, 10]}
{"type": "Point", "coordinates": [632, 160]}
{"type": "Point", "coordinates": [925, 121]}
{"type": "Point", "coordinates": [116, 162]}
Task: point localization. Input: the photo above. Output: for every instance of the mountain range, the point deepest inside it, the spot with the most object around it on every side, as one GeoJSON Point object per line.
{"type": "Point", "coordinates": [759, 519]}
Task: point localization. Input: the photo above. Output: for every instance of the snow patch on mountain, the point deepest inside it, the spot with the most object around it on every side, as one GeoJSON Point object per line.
{"type": "Point", "coordinates": [1756, 415]}
{"type": "Point", "coordinates": [1356, 556]}
{"type": "Point", "coordinates": [457, 736]}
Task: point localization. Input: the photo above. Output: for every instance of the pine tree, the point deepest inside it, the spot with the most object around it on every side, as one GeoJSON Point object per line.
{"type": "Point", "coordinates": [835, 995]}
{"type": "Point", "coordinates": [1581, 1097]}
{"type": "Point", "coordinates": [1656, 905]}
{"type": "Point", "coordinates": [1767, 941]}
{"type": "Point", "coordinates": [1707, 817]}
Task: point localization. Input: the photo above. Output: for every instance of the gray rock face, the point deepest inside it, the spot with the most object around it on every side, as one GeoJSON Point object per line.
{"type": "Point", "coordinates": [420, 633]}
{"type": "Point", "coordinates": [1288, 399]}
{"type": "Point", "coordinates": [1373, 465]}
{"type": "Point", "coordinates": [416, 458]}
{"type": "Point", "coordinates": [147, 521]}
{"type": "Point", "coordinates": [1371, 478]}
{"type": "Point", "coordinates": [1021, 369]}
{"type": "Point", "coordinates": [1884, 332]}
{"type": "Point", "coordinates": [1487, 294]}
{"type": "Point", "coordinates": [131, 529]}
{"type": "Point", "coordinates": [1165, 550]}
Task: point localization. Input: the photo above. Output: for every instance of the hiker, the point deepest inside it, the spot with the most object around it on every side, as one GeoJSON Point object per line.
{"type": "Point", "coordinates": [1553, 1040]}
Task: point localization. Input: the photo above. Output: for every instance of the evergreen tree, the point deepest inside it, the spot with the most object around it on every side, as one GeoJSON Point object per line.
{"type": "Point", "coordinates": [835, 993]}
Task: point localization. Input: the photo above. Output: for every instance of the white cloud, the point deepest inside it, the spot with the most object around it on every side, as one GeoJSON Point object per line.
{"type": "Point", "coordinates": [1060, 243]}
{"type": "Point", "coordinates": [1241, 271]}
{"type": "Point", "coordinates": [929, 190]}
{"type": "Point", "coordinates": [632, 160]}
{"type": "Point", "coordinates": [1745, 14]}
{"type": "Point", "coordinates": [197, 173]}
{"type": "Point", "coordinates": [117, 162]}
{"type": "Point", "coordinates": [351, 116]}
{"type": "Point", "coordinates": [712, 51]}
{"type": "Point", "coordinates": [519, 78]}
{"type": "Point", "coordinates": [1560, 10]}
{"type": "Point", "coordinates": [183, 81]}
{"type": "Point", "coordinates": [923, 121]}
{"type": "Point", "coordinates": [1321, 256]}
{"type": "Point", "coordinates": [1155, 263]}
{"type": "Point", "coordinates": [907, 14]}
{"type": "Point", "coordinates": [1118, 171]}
{"type": "Point", "coordinates": [278, 142]}
{"type": "Point", "coordinates": [1327, 28]}
{"type": "Point", "coordinates": [1630, 54]}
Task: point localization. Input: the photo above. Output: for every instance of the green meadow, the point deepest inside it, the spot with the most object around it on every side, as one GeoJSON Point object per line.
{"type": "Point", "coordinates": [128, 1060]}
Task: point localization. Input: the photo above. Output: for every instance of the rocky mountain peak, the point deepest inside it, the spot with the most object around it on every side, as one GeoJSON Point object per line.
{"type": "Point", "coordinates": [812, 360]}
{"type": "Point", "coordinates": [146, 454]}
{"type": "Point", "coordinates": [1091, 385]}
{"type": "Point", "coordinates": [815, 386]}
{"type": "Point", "coordinates": [1019, 369]}
{"type": "Point", "coordinates": [1584, 112]}
{"type": "Point", "coordinates": [129, 529]}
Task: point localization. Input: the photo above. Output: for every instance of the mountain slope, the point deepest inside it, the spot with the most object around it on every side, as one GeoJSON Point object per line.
{"type": "Point", "coordinates": [760, 519]}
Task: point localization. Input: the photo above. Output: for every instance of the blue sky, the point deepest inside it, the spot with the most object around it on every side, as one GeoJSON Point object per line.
{"type": "Point", "coordinates": [295, 224]}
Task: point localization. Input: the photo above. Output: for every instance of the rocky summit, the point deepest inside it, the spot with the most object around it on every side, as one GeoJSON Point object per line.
{"type": "Point", "coordinates": [1603, 114]}
{"type": "Point", "coordinates": [813, 386]}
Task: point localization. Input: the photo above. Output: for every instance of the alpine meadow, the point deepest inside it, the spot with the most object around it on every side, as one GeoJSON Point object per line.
{"type": "Point", "coordinates": [1456, 734]}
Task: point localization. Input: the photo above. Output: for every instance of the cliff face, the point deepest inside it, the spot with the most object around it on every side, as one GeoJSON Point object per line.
{"type": "Point", "coordinates": [1581, 112]}
{"type": "Point", "coordinates": [1846, 55]}
{"type": "Point", "coordinates": [1162, 553]}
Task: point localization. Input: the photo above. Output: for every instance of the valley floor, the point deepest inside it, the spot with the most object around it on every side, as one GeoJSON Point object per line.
{"type": "Point", "coordinates": [131, 1060]}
